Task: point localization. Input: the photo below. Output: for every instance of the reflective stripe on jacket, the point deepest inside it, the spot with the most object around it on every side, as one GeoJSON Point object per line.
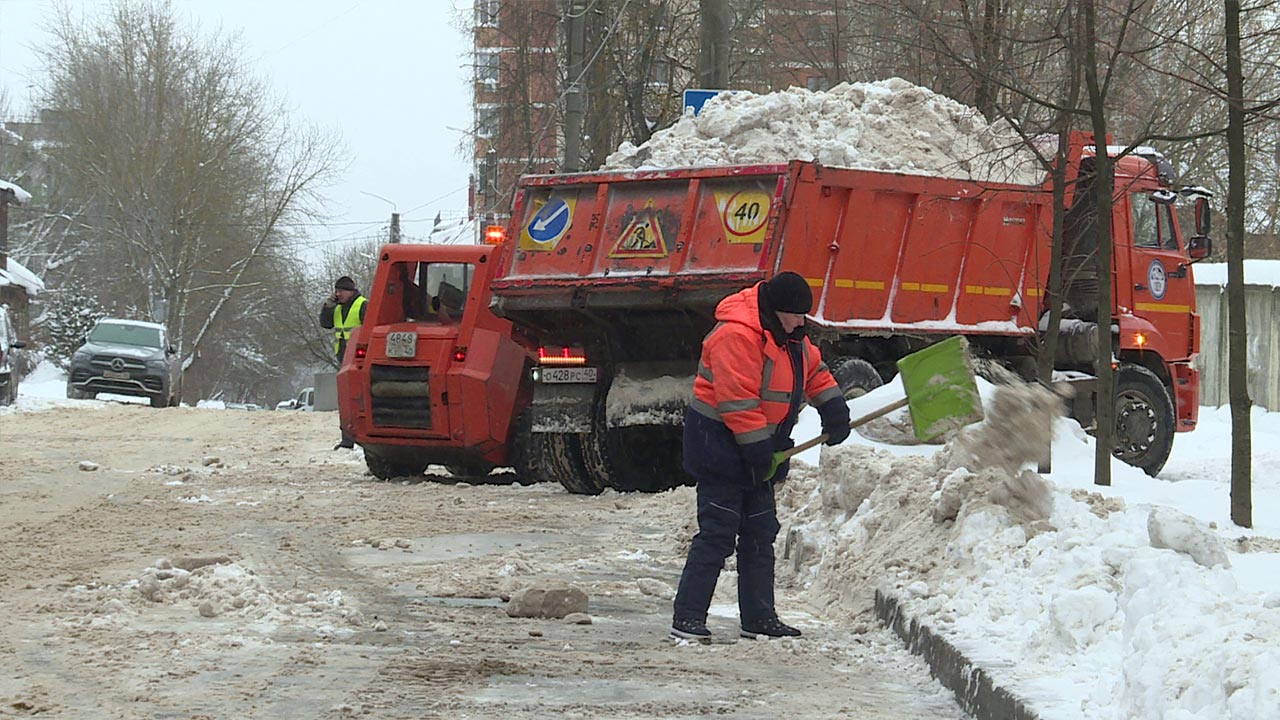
{"type": "Point", "coordinates": [746, 381]}
{"type": "Point", "coordinates": [344, 323]}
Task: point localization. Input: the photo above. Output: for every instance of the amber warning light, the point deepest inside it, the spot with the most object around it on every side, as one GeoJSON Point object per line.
{"type": "Point", "coordinates": [565, 357]}
{"type": "Point", "coordinates": [494, 235]}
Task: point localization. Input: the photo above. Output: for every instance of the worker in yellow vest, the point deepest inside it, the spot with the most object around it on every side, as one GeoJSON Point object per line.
{"type": "Point", "coordinates": [343, 312]}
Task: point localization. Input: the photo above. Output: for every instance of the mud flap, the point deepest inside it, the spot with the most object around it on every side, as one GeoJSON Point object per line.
{"type": "Point", "coordinates": [561, 408]}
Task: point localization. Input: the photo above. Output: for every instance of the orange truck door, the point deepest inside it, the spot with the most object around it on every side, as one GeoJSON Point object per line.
{"type": "Point", "coordinates": [1160, 282]}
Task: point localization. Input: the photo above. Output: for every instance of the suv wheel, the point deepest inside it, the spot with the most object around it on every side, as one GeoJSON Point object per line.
{"type": "Point", "coordinates": [159, 401]}
{"type": "Point", "coordinates": [75, 394]}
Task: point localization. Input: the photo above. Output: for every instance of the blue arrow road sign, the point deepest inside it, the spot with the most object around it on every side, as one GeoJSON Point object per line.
{"type": "Point", "coordinates": [550, 221]}
{"type": "Point", "coordinates": [697, 98]}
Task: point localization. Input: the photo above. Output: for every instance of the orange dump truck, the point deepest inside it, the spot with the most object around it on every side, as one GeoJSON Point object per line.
{"type": "Point", "coordinates": [434, 377]}
{"type": "Point", "coordinates": [617, 274]}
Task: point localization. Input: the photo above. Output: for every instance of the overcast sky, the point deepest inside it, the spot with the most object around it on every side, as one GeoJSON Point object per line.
{"type": "Point", "coordinates": [390, 76]}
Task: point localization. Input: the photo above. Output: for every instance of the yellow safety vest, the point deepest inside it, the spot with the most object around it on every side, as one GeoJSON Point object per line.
{"type": "Point", "coordinates": [342, 326]}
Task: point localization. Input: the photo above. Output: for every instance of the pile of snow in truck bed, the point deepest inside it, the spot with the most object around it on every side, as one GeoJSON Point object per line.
{"type": "Point", "coordinates": [889, 125]}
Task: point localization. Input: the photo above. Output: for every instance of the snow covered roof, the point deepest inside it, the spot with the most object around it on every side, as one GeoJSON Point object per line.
{"type": "Point", "coordinates": [13, 273]}
{"type": "Point", "coordinates": [137, 323]}
{"type": "Point", "coordinates": [1256, 272]}
{"type": "Point", "coordinates": [21, 195]}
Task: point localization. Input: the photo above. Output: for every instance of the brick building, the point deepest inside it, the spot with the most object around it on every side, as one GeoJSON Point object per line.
{"type": "Point", "coordinates": [519, 73]}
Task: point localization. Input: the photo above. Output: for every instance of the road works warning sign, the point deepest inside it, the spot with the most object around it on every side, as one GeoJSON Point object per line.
{"type": "Point", "coordinates": [642, 237]}
{"type": "Point", "coordinates": [744, 214]}
{"type": "Point", "coordinates": [550, 221]}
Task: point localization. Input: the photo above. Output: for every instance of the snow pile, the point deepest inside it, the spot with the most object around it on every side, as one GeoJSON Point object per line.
{"type": "Point", "coordinates": [889, 125]}
{"type": "Point", "coordinates": [206, 588]}
{"type": "Point", "coordinates": [1084, 606]}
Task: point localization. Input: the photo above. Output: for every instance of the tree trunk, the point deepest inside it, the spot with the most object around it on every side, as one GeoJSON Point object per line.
{"type": "Point", "coordinates": [1237, 325]}
{"type": "Point", "coordinates": [1103, 188]}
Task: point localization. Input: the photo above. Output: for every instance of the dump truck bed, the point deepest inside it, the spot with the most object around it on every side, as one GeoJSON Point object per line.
{"type": "Point", "coordinates": [884, 252]}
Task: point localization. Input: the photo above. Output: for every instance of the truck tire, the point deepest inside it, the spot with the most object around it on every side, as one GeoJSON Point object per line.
{"type": "Point", "coordinates": [1144, 419]}
{"type": "Point", "coordinates": [551, 457]}
{"type": "Point", "coordinates": [525, 457]}
{"type": "Point", "coordinates": [855, 376]}
{"type": "Point", "coordinates": [641, 458]}
{"type": "Point", "coordinates": [385, 467]}
{"type": "Point", "coordinates": [561, 455]}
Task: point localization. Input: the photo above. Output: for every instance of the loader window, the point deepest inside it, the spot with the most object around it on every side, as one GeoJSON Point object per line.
{"type": "Point", "coordinates": [432, 292]}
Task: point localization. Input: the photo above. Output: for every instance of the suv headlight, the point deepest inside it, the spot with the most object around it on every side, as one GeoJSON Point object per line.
{"type": "Point", "coordinates": [80, 356]}
{"type": "Point", "coordinates": [158, 364]}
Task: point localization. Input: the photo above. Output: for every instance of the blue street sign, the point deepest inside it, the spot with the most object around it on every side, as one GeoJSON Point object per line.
{"type": "Point", "coordinates": [697, 98]}
{"type": "Point", "coordinates": [551, 220]}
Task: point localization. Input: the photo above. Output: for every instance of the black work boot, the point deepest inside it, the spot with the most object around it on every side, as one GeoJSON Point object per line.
{"type": "Point", "coordinates": [690, 629]}
{"type": "Point", "coordinates": [771, 627]}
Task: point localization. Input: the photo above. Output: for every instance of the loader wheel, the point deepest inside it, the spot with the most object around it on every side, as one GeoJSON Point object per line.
{"type": "Point", "coordinates": [1144, 419]}
{"type": "Point", "coordinates": [386, 466]}
{"type": "Point", "coordinates": [855, 376]}
{"type": "Point", "coordinates": [640, 458]}
{"type": "Point", "coordinates": [475, 468]}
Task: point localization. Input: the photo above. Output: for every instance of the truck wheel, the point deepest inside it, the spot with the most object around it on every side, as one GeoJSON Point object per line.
{"type": "Point", "coordinates": [1144, 419]}
{"type": "Point", "coordinates": [525, 455]}
{"type": "Point", "coordinates": [641, 458]}
{"type": "Point", "coordinates": [855, 376]}
{"type": "Point", "coordinates": [561, 455]}
{"type": "Point", "coordinates": [385, 467]}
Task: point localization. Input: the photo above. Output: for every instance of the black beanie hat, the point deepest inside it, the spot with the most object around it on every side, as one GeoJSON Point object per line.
{"type": "Point", "coordinates": [788, 292]}
{"type": "Point", "coordinates": [344, 283]}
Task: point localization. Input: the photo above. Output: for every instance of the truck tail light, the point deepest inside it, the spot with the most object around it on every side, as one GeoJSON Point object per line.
{"type": "Point", "coordinates": [362, 351]}
{"type": "Point", "coordinates": [494, 235]}
{"type": "Point", "coordinates": [561, 357]}
{"type": "Point", "coordinates": [460, 354]}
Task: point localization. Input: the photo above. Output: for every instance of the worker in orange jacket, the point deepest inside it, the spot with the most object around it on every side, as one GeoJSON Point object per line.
{"type": "Point", "coordinates": [757, 367]}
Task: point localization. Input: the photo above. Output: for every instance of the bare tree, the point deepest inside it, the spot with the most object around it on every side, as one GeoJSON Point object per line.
{"type": "Point", "coordinates": [1237, 323]}
{"type": "Point", "coordinates": [178, 173]}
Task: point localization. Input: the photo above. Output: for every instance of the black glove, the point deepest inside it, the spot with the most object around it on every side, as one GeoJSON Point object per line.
{"type": "Point", "coordinates": [835, 420]}
{"type": "Point", "coordinates": [757, 457]}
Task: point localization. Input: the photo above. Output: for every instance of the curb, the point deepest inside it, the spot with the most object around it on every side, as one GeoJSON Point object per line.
{"type": "Point", "coordinates": [973, 688]}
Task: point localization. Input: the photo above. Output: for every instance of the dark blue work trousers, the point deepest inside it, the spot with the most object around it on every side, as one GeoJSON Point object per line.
{"type": "Point", "coordinates": [731, 509]}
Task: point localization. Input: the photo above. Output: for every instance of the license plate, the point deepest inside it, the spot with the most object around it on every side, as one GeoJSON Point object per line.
{"type": "Point", "coordinates": [113, 375]}
{"type": "Point", "coordinates": [402, 344]}
{"type": "Point", "coordinates": [569, 375]}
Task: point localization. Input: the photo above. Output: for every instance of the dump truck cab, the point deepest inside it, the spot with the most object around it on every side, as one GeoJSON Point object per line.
{"type": "Point", "coordinates": [433, 376]}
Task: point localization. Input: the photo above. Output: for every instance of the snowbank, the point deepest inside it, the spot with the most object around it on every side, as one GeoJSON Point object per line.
{"type": "Point", "coordinates": [1125, 602]}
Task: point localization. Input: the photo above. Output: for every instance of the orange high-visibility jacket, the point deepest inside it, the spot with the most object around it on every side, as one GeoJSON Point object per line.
{"type": "Point", "coordinates": [745, 379]}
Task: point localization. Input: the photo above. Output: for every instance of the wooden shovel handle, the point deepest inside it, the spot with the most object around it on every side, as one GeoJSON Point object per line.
{"type": "Point", "coordinates": [780, 456]}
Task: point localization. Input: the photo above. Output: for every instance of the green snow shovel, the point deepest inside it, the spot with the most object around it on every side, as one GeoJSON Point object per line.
{"type": "Point", "coordinates": [941, 395]}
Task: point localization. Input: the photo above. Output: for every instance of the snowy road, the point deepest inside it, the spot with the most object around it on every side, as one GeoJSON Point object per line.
{"type": "Point", "coordinates": [227, 564]}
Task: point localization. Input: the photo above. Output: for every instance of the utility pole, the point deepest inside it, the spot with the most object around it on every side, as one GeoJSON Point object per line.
{"type": "Point", "coordinates": [395, 227]}
{"type": "Point", "coordinates": [574, 102]}
{"type": "Point", "coordinates": [713, 50]}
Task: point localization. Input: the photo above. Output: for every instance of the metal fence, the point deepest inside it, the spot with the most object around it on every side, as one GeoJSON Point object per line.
{"type": "Point", "coordinates": [1262, 306]}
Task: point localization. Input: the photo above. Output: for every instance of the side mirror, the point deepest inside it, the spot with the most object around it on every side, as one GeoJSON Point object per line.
{"type": "Point", "coordinates": [1199, 248]}
{"type": "Point", "coordinates": [1203, 216]}
{"type": "Point", "coordinates": [18, 345]}
{"type": "Point", "coordinates": [171, 350]}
